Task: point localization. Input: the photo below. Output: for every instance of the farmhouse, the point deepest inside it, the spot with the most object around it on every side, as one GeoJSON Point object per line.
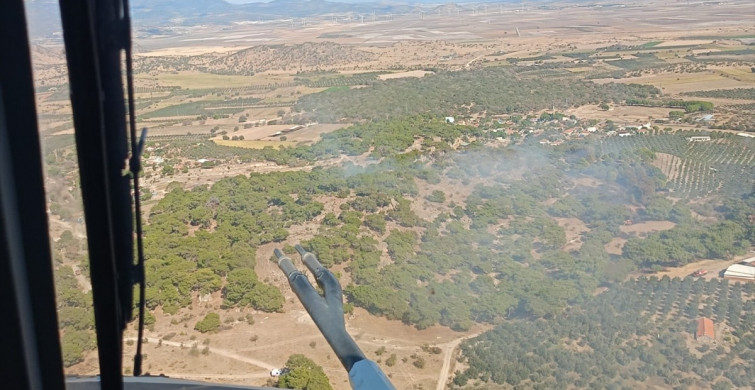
{"type": "Point", "coordinates": [743, 271]}
{"type": "Point", "coordinates": [698, 138]}
{"type": "Point", "coordinates": [705, 330]}
{"type": "Point", "coordinates": [294, 128]}
{"type": "Point", "coordinates": [746, 135]}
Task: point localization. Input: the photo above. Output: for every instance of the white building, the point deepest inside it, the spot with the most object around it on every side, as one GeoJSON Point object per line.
{"type": "Point", "coordinates": [744, 270]}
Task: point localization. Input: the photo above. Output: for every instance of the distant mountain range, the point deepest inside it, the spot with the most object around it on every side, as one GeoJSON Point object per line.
{"type": "Point", "coordinates": [44, 15]}
{"type": "Point", "coordinates": [218, 11]}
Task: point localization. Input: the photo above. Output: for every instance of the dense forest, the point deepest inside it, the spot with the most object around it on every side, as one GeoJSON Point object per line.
{"type": "Point", "coordinates": [493, 89]}
{"type": "Point", "coordinates": [638, 331]}
{"type": "Point", "coordinates": [75, 315]}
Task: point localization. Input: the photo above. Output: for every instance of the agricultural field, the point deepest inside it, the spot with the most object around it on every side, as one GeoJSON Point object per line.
{"type": "Point", "coordinates": [723, 165]}
{"type": "Point", "coordinates": [736, 94]}
{"type": "Point", "coordinates": [674, 83]}
{"type": "Point", "coordinates": [198, 80]}
{"type": "Point", "coordinates": [648, 334]}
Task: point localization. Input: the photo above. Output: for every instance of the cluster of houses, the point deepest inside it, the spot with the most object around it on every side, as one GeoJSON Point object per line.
{"type": "Point", "coordinates": [569, 128]}
{"type": "Point", "coordinates": [556, 128]}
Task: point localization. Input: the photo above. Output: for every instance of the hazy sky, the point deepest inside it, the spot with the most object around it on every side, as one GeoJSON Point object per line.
{"type": "Point", "coordinates": [266, 1]}
{"type": "Point", "coordinates": [338, 1]}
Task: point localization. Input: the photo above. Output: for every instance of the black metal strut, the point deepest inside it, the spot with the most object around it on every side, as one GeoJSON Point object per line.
{"type": "Point", "coordinates": [94, 40]}
{"type": "Point", "coordinates": [31, 353]}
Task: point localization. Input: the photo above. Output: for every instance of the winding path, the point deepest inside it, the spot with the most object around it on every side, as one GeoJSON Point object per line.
{"type": "Point", "coordinates": [443, 374]}
{"type": "Point", "coordinates": [468, 64]}
{"type": "Point", "coordinates": [448, 349]}
{"type": "Point", "coordinates": [217, 351]}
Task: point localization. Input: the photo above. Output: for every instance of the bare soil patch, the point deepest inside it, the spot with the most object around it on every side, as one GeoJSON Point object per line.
{"type": "Point", "coordinates": [574, 228]}
{"type": "Point", "coordinates": [629, 115]}
{"type": "Point", "coordinates": [244, 354]}
{"type": "Point", "coordinates": [411, 73]}
{"type": "Point", "coordinates": [643, 228]}
{"type": "Point", "coordinates": [587, 182]}
{"type": "Point", "coordinates": [668, 164]}
{"type": "Point", "coordinates": [615, 246]}
{"type": "Point", "coordinates": [310, 134]}
{"type": "Point", "coordinates": [640, 229]}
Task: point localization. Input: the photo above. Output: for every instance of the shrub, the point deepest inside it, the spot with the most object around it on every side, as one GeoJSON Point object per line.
{"type": "Point", "coordinates": [437, 196]}
{"type": "Point", "coordinates": [210, 323]}
{"type": "Point", "coordinates": [391, 361]}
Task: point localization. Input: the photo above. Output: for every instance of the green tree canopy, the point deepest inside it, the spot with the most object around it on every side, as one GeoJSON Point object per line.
{"type": "Point", "coordinates": [210, 323]}
{"type": "Point", "coordinates": [303, 374]}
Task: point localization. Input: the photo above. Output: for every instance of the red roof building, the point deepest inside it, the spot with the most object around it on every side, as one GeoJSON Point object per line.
{"type": "Point", "coordinates": [705, 330]}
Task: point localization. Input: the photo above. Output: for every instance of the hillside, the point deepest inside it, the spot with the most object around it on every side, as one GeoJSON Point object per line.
{"type": "Point", "coordinates": [308, 55]}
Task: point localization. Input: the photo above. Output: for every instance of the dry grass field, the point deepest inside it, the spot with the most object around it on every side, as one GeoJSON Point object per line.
{"type": "Point", "coordinates": [197, 80]}
{"type": "Point", "coordinates": [255, 144]}
{"type": "Point", "coordinates": [676, 83]}
{"type": "Point", "coordinates": [621, 114]}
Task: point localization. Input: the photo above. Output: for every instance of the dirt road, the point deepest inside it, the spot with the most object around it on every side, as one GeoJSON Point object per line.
{"type": "Point", "coordinates": [468, 64]}
{"type": "Point", "coordinates": [714, 267]}
{"type": "Point", "coordinates": [448, 352]}
{"type": "Point", "coordinates": [213, 377]}
{"type": "Point", "coordinates": [221, 352]}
